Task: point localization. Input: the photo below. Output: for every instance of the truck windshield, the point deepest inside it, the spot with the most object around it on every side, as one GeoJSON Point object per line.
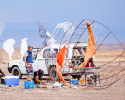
{"type": "Point", "coordinates": [48, 53]}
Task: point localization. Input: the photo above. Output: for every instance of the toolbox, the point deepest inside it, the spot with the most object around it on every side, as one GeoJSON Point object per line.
{"type": "Point", "coordinates": [74, 81]}
{"type": "Point", "coordinates": [28, 84]}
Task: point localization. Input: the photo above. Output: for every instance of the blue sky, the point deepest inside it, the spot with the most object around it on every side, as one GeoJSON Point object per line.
{"type": "Point", "coordinates": [21, 16]}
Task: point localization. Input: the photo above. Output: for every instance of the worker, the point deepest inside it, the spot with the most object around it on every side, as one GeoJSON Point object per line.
{"type": "Point", "coordinates": [1, 73]}
{"type": "Point", "coordinates": [37, 76]}
{"type": "Point", "coordinates": [28, 62]}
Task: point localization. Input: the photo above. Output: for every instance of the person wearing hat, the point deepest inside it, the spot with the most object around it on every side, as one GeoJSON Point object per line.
{"type": "Point", "coordinates": [28, 62]}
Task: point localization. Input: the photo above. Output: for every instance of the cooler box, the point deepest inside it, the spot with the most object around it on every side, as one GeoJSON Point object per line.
{"type": "Point", "coordinates": [74, 81]}
{"type": "Point", "coordinates": [11, 80]}
{"type": "Point", "coordinates": [28, 84]}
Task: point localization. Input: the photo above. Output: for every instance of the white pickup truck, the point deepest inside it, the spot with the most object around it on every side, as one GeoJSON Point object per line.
{"type": "Point", "coordinates": [48, 65]}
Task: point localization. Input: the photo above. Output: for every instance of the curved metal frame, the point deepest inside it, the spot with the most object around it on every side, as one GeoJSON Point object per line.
{"type": "Point", "coordinates": [110, 32]}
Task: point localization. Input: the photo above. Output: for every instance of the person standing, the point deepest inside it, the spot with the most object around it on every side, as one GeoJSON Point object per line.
{"type": "Point", "coordinates": [28, 62]}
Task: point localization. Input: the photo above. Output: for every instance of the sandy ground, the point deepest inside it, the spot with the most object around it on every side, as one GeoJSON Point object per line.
{"type": "Point", "coordinates": [115, 92]}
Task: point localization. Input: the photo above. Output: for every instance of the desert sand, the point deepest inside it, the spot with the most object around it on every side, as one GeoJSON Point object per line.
{"type": "Point", "coordinates": [114, 92]}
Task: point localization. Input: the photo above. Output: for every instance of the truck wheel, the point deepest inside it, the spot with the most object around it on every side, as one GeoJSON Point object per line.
{"type": "Point", "coordinates": [16, 72]}
{"type": "Point", "coordinates": [53, 74]}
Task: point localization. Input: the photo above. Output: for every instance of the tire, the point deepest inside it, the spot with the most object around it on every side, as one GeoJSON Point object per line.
{"type": "Point", "coordinates": [53, 74]}
{"type": "Point", "coordinates": [16, 72]}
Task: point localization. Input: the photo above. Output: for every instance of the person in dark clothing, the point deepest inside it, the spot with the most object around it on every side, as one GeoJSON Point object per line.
{"type": "Point", "coordinates": [37, 76]}
{"type": "Point", "coordinates": [1, 73]}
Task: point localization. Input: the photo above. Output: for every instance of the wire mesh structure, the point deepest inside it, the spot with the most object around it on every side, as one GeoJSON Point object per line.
{"type": "Point", "coordinates": [105, 70]}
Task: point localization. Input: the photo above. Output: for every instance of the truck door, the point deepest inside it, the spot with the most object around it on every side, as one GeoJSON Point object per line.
{"type": "Point", "coordinates": [23, 68]}
{"type": "Point", "coordinates": [34, 59]}
{"type": "Point", "coordinates": [45, 59]}
{"type": "Point", "coordinates": [41, 61]}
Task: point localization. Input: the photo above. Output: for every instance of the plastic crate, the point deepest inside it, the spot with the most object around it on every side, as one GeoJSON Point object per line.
{"type": "Point", "coordinates": [74, 81]}
{"type": "Point", "coordinates": [28, 84]}
{"type": "Point", "coordinates": [11, 80]}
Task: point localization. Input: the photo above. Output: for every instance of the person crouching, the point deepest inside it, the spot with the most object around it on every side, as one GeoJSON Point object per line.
{"type": "Point", "coordinates": [37, 76]}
